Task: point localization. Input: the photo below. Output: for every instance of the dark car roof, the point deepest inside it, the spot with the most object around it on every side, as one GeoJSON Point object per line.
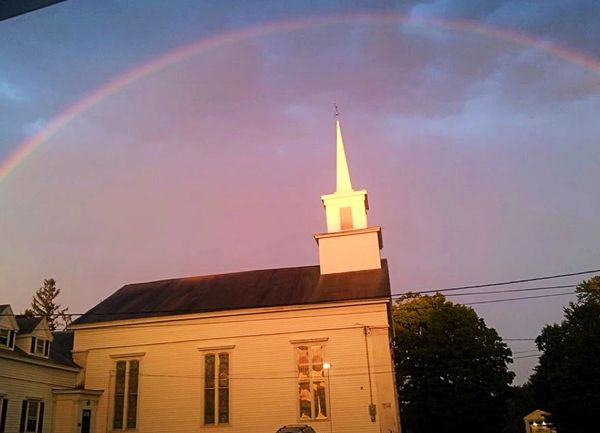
{"type": "Point", "coordinates": [295, 428]}
{"type": "Point", "coordinates": [250, 289]}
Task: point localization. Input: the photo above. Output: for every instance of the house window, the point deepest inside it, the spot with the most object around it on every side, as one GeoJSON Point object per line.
{"type": "Point", "coordinates": [32, 416]}
{"type": "Point", "coordinates": [126, 394]}
{"type": "Point", "coordinates": [312, 388]}
{"type": "Point", "coordinates": [7, 338]}
{"type": "Point", "coordinates": [40, 346]}
{"type": "Point", "coordinates": [3, 410]}
{"type": "Point", "coordinates": [216, 388]}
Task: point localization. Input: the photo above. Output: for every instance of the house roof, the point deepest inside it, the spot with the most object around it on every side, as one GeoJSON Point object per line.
{"type": "Point", "coordinates": [27, 324]}
{"type": "Point", "coordinates": [250, 289]}
{"type": "Point", "coordinates": [61, 347]}
{"type": "Point", "coordinates": [60, 352]}
{"type": "Point", "coordinates": [537, 414]}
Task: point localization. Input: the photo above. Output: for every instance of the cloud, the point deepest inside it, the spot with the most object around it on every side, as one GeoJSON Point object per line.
{"type": "Point", "coordinates": [11, 92]}
{"type": "Point", "coordinates": [34, 127]}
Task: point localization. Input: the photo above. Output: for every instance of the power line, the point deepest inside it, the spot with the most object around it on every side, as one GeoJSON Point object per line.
{"type": "Point", "coordinates": [527, 356]}
{"type": "Point", "coordinates": [525, 351]}
{"type": "Point", "coordinates": [528, 289]}
{"type": "Point", "coordinates": [505, 283]}
{"type": "Point", "coordinates": [492, 301]}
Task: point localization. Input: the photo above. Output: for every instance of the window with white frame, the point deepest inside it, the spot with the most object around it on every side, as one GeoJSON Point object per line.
{"type": "Point", "coordinates": [125, 407]}
{"type": "Point", "coordinates": [312, 389]}
{"type": "Point", "coordinates": [7, 338]}
{"type": "Point", "coordinates": [40, 347]}
{"type": "Point", "coordinates": [32, 416]}
{"type": "Point", "coordinates": [216, 388]}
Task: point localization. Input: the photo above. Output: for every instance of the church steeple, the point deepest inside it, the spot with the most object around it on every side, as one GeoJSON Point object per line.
{"type": "Point", "coordinates": [343, 183]}
{"type": "Point", "coordinates": [349, 244]}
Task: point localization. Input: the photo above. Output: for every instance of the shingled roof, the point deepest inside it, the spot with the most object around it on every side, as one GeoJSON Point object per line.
{"type": "Point", "coordinates": [251, 289]}
{"type": "Point", "coordinates": [27, 324]}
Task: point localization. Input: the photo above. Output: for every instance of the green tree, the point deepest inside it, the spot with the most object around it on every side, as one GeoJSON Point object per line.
{"type": "Point", "coordinates": [566, 382]}
{"type": "Point", "coordinates": [452, 369]}
{"type": "Point", "coordinates": [519, 403]}
{"type": "Point", "coordinates": [44, 304]}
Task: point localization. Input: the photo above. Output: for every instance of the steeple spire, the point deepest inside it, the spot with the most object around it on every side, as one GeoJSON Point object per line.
{"type": "Point", "coordinates": [343, 183]}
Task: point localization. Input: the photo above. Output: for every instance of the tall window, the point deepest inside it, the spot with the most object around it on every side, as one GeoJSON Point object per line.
{"type": "Point", "coordinates": [32, 416]}
{"type": "Point", "coordinates": [311, 382]}
{"type": "Point", "coordinates": [216, 388]}
{"type": "Point", "coordinates": [126, 394]}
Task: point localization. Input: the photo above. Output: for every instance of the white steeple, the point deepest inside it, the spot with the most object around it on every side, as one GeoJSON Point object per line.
{"type": "Point", "coordinates": [349, 244]}
{"type": "Point", "coordinates": [343, 183]}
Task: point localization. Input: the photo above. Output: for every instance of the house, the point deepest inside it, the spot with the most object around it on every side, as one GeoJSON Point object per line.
{"type": "Point", "coordinates": [249, 351]}
{"type": "Point", "coordinates": [34, 365]}
{"type": "Point", "coordinates": [538, 421]}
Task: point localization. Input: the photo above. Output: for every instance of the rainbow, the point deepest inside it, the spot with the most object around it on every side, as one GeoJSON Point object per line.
{"type": "Point", "coordinates": [27, 147]}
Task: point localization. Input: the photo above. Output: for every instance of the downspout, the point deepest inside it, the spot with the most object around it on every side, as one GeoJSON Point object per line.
{"type": "Point", "coordinates": [372, 407]}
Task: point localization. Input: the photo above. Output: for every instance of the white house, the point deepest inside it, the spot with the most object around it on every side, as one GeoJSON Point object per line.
{"type": "Point", "coordinates": [34, 364]}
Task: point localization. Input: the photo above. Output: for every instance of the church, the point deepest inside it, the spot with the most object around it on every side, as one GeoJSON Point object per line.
{"type": "Point", "coordinates": [247, 351]}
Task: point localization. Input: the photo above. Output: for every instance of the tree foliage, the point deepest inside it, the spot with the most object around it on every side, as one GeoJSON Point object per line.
{"type": "Point", "coordinates": [519, 403]}
{"type": "Point", "coordinates": [44, 304]}
{"type": "Point", "coordinates": [567, 380]}
{"type": "Point", "coordinates": [452, 369]}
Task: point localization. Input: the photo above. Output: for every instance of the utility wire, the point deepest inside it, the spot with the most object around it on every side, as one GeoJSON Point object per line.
{"type": "Point", "coordinates": [492, 301]}
{"type": "Point", "coordinates": [527, 356]}
{"type": "Point", "coordinates": [505, 283]}
{"type": "Point", "coordinates": [528, 289]}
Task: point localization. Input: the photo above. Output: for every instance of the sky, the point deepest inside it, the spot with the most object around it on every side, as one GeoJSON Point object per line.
{"type": "Point", "coordinates": [146, 140]}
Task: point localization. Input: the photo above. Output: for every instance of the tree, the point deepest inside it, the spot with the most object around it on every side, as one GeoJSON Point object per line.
{"type": "Point", "coordinates": [566, 382]}
{"type": "Point", "coordinates": [519, 404]}
{"type": "Point", "coordinates": [452, 370]}
{"type": "Point", "coordinates": [44, 304]}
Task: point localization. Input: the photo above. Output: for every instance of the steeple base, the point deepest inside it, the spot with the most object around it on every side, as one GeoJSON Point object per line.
{"type": "Point", "coordinates": [349, 250]}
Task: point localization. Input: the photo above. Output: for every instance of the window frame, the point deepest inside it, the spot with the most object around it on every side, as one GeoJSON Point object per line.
{"type": "Point", "coordinates": [10, 338]}
{"type": "Point", "coordinates": [216, 388]}
{"type": "Point", "coordinates": [27, 416]}
{"type": "Point", "coordinates": [40, 347]}
{"type": "Point", "coordinates": [127, 395]}
{"type": "Point", "coordinates": [310, 380]}
{"type": "Point", "coordinates": [40, 344]}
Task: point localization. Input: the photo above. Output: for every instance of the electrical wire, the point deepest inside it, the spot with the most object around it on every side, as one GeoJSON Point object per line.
{"type": "Point", "coordinates": [510, 282]}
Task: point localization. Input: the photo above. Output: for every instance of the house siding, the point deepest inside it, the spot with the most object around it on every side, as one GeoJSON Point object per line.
{"type": "Point", "coordinates": [21, 380]}
{"type": "Point", "coordinates": [263, 372]}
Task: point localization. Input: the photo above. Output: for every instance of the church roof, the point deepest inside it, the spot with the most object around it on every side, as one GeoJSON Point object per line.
{"type": "Point", "coordinates": [250, 289]}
